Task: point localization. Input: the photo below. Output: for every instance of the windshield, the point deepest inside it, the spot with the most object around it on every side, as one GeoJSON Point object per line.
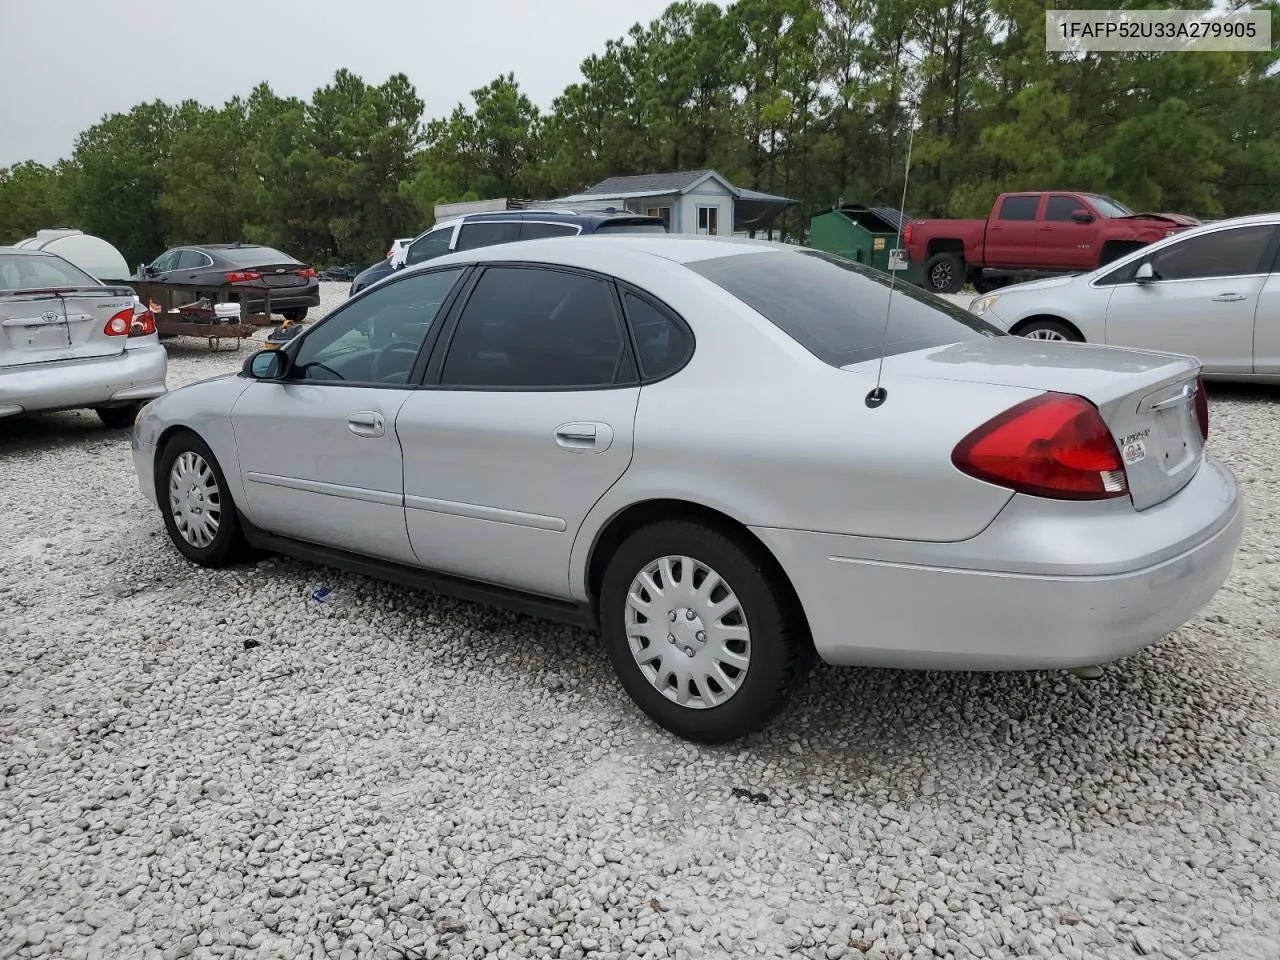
{"type": "Point", "coordinates": [255, 256]}
{"type": "Point", "coordinates": [24, 271]}
{"type": "Point", "coordinates": [835, 308]}
{"type": "Point", "coordinates": [1108, 207]}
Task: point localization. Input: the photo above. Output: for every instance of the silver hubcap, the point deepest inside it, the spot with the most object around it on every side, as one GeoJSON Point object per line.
{"type": "Point", "coordinates": [194, 499]}
{"type": "Point", "coordinates": [1044, 334]}
{"type": "Point", "coordinates": [942, 275]}
{"type": "Point", "coordinates": [688, 633]}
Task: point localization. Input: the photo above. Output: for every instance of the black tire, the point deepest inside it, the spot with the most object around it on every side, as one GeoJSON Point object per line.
{"type": "Point", "coordinates": [296, 314]}
{"type": "Point", "coordinates": [1061, 328]}
{"type": "Point", "coordinates": [944, 273]}
{"type": "Point", "coordinates": [228, 545]}
{"type": "Point", "coordinates": [781, 651]}
{"type": "Point", "coordinates": [118, 418]}
{"type": "Point", "coordinates": [987, 284]}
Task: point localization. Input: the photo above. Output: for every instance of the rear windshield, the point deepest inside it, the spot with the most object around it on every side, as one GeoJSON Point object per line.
{"type": "Point", "coordinates": [255, 256]}
{"type": "Point", "coordinates": [19, 271]}
{"type": "Point", "coordinates": [631, 226]}
{"type": "Point", "coordinates": [835, 308]}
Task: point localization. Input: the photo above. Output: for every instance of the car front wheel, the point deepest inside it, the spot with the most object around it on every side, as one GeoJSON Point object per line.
{"type": "Point", "coordinates": [199, 513]}
{"type": "Point", "coordinates": [704, 636]}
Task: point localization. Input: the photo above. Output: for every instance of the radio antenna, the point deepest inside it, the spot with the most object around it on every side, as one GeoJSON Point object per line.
{"type": "Point", "coordinates": [878, 393]}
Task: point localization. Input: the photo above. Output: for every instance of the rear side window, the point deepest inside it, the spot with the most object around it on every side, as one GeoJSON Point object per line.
{"type": "Point", "coordinates": [537, 230]}
{"type": "Point", "coordinates": [483, 234]}
{"type": "Point", "coordinates": [535, 329]}
{"type": "Point", "coordinates": [36, 272]}
{"type": "Point", "coordinates": [835, 308]}
{"type": "Point", "coordinates": [662, 342]}
{"type": "Point", "coordinates": [1019, 208]}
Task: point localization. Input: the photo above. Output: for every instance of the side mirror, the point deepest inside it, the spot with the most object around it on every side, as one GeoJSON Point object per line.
{"type": "Point", "coordinates": [1144, 274]}
{"type": "Point", "coordinates": [266, 365]}
{"type": "Point", "coordinates": [1082, 216]}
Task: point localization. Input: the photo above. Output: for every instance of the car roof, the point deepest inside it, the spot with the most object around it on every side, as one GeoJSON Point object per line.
{"type": "Point", "coordinates": [28, 252]}
{"type": "Point", "coordinates": [586, 217]}
{"type": "Point", "coordinates": [597, 250]}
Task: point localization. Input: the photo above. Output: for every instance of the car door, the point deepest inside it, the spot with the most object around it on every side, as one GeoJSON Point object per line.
{"type": "Point", "coordinates": [318, 450]}
{"type": "Point", "coordinates": [1011, 236]}
{"type": "Point", "coordinates": [1201, 299]}
{"type": "Point", "coordinates": [525, 422]}
{"type": "Point", "coordinates": [1061, 240]}
{"type": "Point", "coordinates": [1266, 321]}
{"type": "Point", "coordinates": [432, 244]}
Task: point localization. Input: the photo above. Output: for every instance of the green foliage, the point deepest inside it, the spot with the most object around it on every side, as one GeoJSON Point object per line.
{"type": "Point", "coordinates": [813, 99]}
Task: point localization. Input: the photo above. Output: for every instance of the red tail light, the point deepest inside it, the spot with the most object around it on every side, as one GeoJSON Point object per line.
{"type": "Point", "coordinates": [906, 235]}
{"type": "Point", "coordinates": [144, 324]}
{"type": "Point", "coordinates": [1054, 445]}
{"type": "Point", "coordinates": [307, 272]}
{"type": "Point", "coordinates": [120, 324]}
{"type": "Point", "coordinates": [390, 251]}
{"type": "Point", "coordinates": [243, 276]}
{"type": "Point", "coordinates": [1202, 407]}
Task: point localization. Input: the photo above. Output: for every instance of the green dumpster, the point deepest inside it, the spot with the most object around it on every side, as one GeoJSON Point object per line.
{"type": "Point", "coordinates": [863, 234]}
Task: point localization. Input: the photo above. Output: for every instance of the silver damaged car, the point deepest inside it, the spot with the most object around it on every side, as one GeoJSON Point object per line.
{"type": "Point", "coordinates": [680, 441]}
{"type": "Point", "coordinates": [69, 341]}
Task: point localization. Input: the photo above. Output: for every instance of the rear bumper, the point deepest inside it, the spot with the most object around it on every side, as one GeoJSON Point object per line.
{"type": "Point", "coordinates": [136, 374]}
{"type": "Point", "coordinates": [1106, 588]}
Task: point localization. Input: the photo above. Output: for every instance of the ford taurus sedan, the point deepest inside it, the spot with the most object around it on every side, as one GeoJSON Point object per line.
{"type": "Point", "coordinates": [67, 341]}
{"type": "Point", "coordinates": [1212, 292]}
{"type": "Point", "coordinates": [690, 443]}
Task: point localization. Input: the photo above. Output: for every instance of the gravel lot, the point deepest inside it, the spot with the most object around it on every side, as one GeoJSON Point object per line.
{"type": "Point", "coordinates": [200, 764]}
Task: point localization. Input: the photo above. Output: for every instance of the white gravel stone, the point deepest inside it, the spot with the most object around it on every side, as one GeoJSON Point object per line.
{"type": "Point", "coordinates": [407, 776]}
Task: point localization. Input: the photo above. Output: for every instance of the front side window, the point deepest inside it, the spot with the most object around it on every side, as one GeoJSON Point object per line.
{"type": "Point", "coordinates": [166, 261]}
{"type": "Point", "coordinates": [429, 246]}
{"type": "Point", "coordinates": [1019, 208]}
{"type": "Point", "coordinates": [1225, 253]}
{"type": "Point", "coordinates": [1059, 208]}
{"type": "Point", "coordinates": [375, 339]}
{"type": "Point", "coordinates": [535, 329]}
{"type": "Point", "coordinates": [488, 233]}
{"type": "Point", "coordinates": [836, 308]}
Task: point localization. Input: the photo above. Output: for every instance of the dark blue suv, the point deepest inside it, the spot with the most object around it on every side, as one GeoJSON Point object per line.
{"type": "Point", "coordinates": [506, 226]}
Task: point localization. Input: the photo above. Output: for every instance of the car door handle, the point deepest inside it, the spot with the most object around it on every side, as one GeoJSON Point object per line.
{"type": "Point", "coordinates": [1229, 297]}
{"type": "Point", "coordinates": [366, 424]}
{"type": "Point", "coordinates": [584, 437]}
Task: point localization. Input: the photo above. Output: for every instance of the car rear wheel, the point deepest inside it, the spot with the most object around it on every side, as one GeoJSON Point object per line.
{"type": "Point", "coordinates": [295, 315]}
{"type": "Point", "coordinates": [198, 511]}
{"type": "Point", "coordinates": [704, 636]}
{"type": "Point", "coordinates": [1048, 329]}
{"type": "Point", "coordinates": [118, 418]}
{"type": "Point", "coordinates": [944, 273]}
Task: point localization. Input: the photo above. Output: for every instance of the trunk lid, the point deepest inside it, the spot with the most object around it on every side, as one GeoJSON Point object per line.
{"type": "Point", "coordinates": [65, 324]}
{"type": "Point", "coordinates": [1147, 399]}
{"type": "Point", "coordinates": [278, 275]}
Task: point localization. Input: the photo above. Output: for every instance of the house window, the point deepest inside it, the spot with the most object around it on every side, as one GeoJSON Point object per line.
{"type": "Point", "coordinates": [663, 212]}
{"type": "Point", "coordinates": [708, 221]}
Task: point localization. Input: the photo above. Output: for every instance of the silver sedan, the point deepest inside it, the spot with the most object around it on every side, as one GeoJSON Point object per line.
{"type": "Point", "coordinates": [67, 340]}
{"type": "Point", "coordinates": [680, 441]}
{"type": "Point", "coordinates": [1212, 292]}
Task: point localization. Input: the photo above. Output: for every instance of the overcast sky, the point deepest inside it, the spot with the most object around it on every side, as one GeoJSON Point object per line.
{"type": "Point", "coordinates": [67, 63]}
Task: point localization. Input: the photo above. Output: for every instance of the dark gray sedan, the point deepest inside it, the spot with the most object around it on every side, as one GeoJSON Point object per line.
{"type": "Point", "coordinates": [205, 267]}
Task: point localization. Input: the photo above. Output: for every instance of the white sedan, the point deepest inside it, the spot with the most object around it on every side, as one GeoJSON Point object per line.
{"type": "Point", "coordinates": [1212, 292]}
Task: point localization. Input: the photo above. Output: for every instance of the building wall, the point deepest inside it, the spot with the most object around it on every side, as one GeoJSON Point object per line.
{"type": "Point", "coordinates": [709, 194]}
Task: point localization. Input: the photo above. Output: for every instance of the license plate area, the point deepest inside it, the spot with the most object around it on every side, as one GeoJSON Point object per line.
{"type": "Point", "coordinates": [37, 333]}
{"type": "Point", "coordinates": [1177, 437]}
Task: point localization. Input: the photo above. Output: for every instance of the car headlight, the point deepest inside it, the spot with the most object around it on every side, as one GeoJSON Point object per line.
{"type": "Point", "coordinates": [982, 304]}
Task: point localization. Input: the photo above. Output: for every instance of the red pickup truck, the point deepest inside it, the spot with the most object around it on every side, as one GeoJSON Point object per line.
{"type": "Point", "coordinates": [1032, 234]}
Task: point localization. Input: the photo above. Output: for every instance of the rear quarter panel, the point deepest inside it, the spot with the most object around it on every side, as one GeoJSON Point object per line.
{"type": "Point", "coordinates": [929, 236]}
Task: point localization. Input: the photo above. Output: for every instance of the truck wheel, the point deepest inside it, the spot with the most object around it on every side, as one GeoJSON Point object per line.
{"type": "Point", "coordinates": [1049, 329]}
{"type": "Point", "coordinates": [944, 273]}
